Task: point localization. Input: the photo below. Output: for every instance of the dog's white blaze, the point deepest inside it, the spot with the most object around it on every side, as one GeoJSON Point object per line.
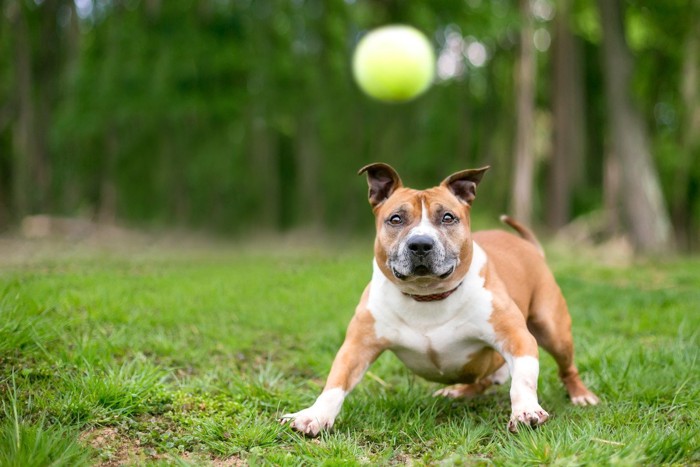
{"type": "Point", "coordinates": [425, 227]}
{"type": "Point", "coordinates": [523, 389]}
{"type": "Point", "coordinates": [434, 339]}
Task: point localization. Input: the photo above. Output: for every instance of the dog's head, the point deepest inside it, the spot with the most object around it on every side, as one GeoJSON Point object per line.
{"type": "Point", "coordinates": [423, 241]}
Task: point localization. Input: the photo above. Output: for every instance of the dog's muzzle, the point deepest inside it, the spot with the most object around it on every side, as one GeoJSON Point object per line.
{"type": "Point", "coordinates": [422, 256]}
{"type": "Point", "coordinates": [419, 248]}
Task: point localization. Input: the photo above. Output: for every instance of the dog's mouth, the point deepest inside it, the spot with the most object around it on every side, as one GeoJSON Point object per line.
{"type": "Point", "coordinates": [422, 271]}
{"type": "Point", "coordinates": [448, 273]}
{"type": "Point", "coordinates": [398, 275]}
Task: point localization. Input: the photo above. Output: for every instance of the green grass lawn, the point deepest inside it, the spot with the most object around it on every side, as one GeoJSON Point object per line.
{"type": "Point", "coordinates": [189, 358]}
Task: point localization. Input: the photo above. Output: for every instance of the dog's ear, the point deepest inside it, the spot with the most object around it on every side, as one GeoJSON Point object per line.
{"type": "Point", "coordinates": [382, 180]}
{"type": "Point", "coordinates": [463, 184]}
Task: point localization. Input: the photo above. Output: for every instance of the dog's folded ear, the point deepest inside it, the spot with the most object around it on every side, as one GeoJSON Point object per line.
{"type": "Point", "coordinates": [382, 180]}
{"type": "Point", "coordinates": [463, 184]}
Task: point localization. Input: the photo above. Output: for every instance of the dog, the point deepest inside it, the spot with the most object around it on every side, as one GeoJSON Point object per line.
{"type": "Point", "coordinates": [462, 308]}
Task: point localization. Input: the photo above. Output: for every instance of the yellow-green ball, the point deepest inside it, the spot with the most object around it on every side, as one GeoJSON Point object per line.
{"type": "Point", "coordinates": [394, 63]}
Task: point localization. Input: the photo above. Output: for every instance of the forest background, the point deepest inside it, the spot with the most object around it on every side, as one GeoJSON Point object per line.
{"type": "Point", "coordinates": [241, 116]}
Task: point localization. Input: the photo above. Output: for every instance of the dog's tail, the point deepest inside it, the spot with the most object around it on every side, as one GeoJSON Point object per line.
{"type": "Point", "coordinates": [523, 231]}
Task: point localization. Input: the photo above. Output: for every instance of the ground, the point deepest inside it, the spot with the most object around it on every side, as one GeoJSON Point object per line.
{"type": "Point", "coordinates": [187, 354]}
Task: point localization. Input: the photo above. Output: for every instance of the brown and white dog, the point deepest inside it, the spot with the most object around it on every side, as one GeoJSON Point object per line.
{"type": "Point", "coordinates": [459, 308]}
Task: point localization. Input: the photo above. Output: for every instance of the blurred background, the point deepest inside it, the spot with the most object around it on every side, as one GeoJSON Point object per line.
{"type": "Point", "coordinates": [241, 116]}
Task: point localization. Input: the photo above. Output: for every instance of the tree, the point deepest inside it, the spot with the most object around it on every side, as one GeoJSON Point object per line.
{"type": "Point", "coordinates": [526, 62]}
{"type": "Point", "coordinates": [24, 150]}
{"type": "Point", "coordinates": [39, 54]}
{"type": "Point", "coordinates": [643, 202]}
{"type": "Point", "coordinates": [683, 200]}
{"type": "Point", "coordinates": [568, 124]}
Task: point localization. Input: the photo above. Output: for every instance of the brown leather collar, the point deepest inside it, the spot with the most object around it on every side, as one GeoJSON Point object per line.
{"type": "Point", "coordinates": [432, 297]}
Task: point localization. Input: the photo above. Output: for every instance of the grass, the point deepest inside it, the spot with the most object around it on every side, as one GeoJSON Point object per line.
{"type": "Point", "coordinates": [183, 358]}
{"type": "Point", "coordinates": [26, 443]}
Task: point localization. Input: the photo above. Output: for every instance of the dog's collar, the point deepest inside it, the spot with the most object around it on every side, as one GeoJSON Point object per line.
{"type": "Point", "coordinates": [432, 297]}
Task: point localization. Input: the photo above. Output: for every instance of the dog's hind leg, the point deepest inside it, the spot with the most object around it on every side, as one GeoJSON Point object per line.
{"type": "Point", "coordinates": [487, 367]}
{"type": "Point", "coordinates": [464, 391]}
{"type": "Point", "coordinates": [551, 325]}
{"type": "Point", "coordinates": [467, 391]}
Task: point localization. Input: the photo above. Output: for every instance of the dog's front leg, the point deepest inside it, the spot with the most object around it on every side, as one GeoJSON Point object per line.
{"type": "Point", "coordinates": [358, 351]}
{"type": "Point", "coordinates": [523, 392]}
{"type": "Point", "coordinates": [519, 349]}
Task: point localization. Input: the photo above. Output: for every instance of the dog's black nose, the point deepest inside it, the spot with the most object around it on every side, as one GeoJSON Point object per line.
{"type": "Point", "coordinates": [420, 245]}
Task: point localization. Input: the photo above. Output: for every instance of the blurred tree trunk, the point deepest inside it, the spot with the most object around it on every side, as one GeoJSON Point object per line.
{"type": "Point", "coordinates": [611, 193]}
{"type": "Point", "coordinates": [6, 114]}
{"type": "Point", "coordinates": [174, 167]}
{"type": "Point", "coordinates": [48, 64]}
{"type": "Point", "coordinates": [648, 221]}
{"type": "Point", "coordinates": [36, 73]}
{"type": "Point", "coordinates": [108, 193]}
{"type": "Point", "coordinates": [153, 8]}
{"type": "Point", "coordinates": [521, 202]}
{"type": "Point", "coordinates": [683, 202]}
{"type": "Point", "coordinates": [265, 167]}
{"type": "Point", "coordinates": [568, 121]}
{"type": "Point", "coordinates": [265, 142]}
{"type": "Point", "coordinates": [23, 139]}
{"type": "Point", "coordinates": [107, 207]}
{"type": "Point", "coordinates": [308, 162]}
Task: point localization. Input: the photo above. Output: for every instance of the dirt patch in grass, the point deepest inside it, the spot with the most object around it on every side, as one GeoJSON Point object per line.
{"type": "Point", "coordinates": [232, 461]}
{"type": "Point", "coordinates": [116, 449]}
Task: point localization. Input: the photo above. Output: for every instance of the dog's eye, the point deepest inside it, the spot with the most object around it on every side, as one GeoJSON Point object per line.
{"type": "Point", "coordinates": [395, 220]}
{"type": "Point", "coordinates": [448, 218]}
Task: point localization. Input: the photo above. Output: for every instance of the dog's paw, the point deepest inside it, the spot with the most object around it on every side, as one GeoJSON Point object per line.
{"type": "Point", "coordinates": [308, 421]}
{"type": "Point", "coordinates": [531, 416]}
{"type": "Point", "coordinates": [451, 392]}
{"type": "Point", "coordinates": [588, 398]}
{"type": "Point", "coordinates": [461, 391]}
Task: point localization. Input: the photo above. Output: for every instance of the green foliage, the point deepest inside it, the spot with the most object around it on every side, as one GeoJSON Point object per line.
{"type": "Point", "coordinates": [176, 357]}
{"type": "Point", "coordinates": [231, 115]}
{"type": "Point", "coordinates": [242, 116]}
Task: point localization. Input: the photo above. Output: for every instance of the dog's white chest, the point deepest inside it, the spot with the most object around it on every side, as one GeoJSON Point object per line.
{"type": "Point", "coordinates": [434, 339]}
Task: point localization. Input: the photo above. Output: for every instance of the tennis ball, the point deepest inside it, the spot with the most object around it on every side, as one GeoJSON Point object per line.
{"type": "Point", "coordinates": [394, 63]}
